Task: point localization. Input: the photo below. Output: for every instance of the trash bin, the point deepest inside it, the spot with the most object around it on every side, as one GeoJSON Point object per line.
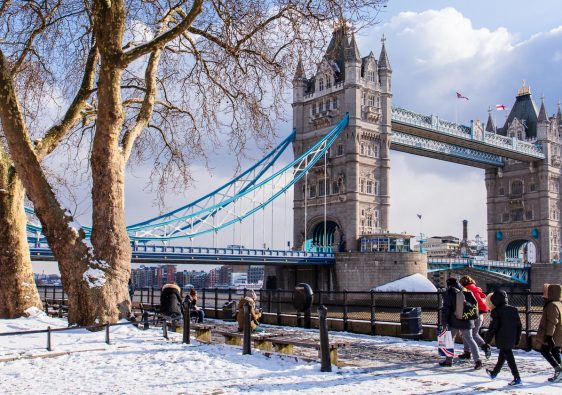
{"type": "Point", "coordinates": [229, 311]}
{"type": "Point", "coordinates": [411, 323]}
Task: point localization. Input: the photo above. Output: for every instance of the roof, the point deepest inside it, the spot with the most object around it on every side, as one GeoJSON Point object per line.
{"type": "Point", "coordinates": [525, 111]}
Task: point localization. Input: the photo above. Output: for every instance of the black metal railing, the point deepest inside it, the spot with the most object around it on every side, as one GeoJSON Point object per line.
{"type": "Point", "coordinates": [347, 306]}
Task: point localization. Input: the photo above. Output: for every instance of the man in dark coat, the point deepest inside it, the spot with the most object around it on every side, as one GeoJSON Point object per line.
{"type": "Point", "coordinates": [456, 325]}
{"type": "Point", "coordinates": [170, 301]}
{"type": "Point", "coordinates": [506, 328]}
{"type": "Point", "coordinates": [548, 340]}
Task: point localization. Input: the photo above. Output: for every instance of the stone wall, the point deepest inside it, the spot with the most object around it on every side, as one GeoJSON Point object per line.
{"type": "Point", "coordinates": [542, 273]}
{"type": "Point", "coordinates": [356, 271]}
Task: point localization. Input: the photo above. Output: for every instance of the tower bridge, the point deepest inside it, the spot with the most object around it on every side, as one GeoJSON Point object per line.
{"type": "Point", "coordinates": [344, 127]}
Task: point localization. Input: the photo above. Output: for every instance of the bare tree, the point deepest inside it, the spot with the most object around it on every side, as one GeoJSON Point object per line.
{"type": "Point", "coordinates": [28, 64]}
{"type": "Point", "coordinates": [170, 76]}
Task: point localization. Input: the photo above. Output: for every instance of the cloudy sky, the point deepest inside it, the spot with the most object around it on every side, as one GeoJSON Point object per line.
{"type": "Point", "coordinates": [480, 48]}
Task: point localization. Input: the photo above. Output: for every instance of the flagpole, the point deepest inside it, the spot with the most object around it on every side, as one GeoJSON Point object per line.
{"type": "Point", "coordinates": [456, 110]}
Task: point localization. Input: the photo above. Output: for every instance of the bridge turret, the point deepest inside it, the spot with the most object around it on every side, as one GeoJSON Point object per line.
{"type": "Point", "coordinates": [299, 88]}
{"type": "Point", "coordinates": [542, 123]}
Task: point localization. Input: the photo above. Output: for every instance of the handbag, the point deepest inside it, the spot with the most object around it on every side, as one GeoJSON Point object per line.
{"type": "Point", "coordinates": [445, 344]}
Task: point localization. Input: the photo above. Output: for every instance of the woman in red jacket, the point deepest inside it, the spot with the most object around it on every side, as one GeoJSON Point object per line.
{"type": "Point", "coordinates": [469, 283]}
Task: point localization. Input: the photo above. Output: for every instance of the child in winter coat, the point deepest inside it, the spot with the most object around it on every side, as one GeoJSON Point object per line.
{"type": "Point", "coordinates": [506, 328]}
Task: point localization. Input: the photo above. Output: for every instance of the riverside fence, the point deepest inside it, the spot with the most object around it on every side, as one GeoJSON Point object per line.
{"type": "Point", "coordinates": [346, 306]}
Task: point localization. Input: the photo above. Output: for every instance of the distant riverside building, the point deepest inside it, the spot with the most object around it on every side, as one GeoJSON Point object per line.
{"type": "Point", "coordinates": [255, 274]}
{"type": "Point", "coordinates": [441, 246]}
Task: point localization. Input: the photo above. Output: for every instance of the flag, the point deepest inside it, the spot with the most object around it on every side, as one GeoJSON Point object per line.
{"type": "Point", "coordinates": [460, 96]}
{"type": "Point", "coordinates": [500, 107]}
{"type": "Point", "coordinates": [419, 216]}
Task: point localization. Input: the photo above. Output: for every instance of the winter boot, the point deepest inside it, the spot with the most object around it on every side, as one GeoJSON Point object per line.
{"type": "Point", "coordinates": [487, 350]}
{"type": "Point", "coordinates": [465, 355]}
{"type": "Point", "coordinates": [491, 373]}
{"type": "Point", "coordinates": [516, 381]}
{"type": "Point", "coordinates": [446, 362]}
{"type": "Point", "coordinates": [478, 365]}
{"type": "Point", "coordinates": [557, 375]}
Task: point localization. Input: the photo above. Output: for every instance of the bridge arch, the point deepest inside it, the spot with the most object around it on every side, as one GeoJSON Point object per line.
{"type": "Point", "coordinates": [522, 249]}
{"type": "Point", "coordinates": [315, 237]}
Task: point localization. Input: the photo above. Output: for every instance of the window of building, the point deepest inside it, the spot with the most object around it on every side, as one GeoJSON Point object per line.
{"type": "Point", "coordinates": [371, 76]}
{"type": "Point", "coordinates": [529, 215]}
{"type": "Point", "coordinates": [321, 84]}
{"type": "Point", "coordinates": [364, 99]}
{"type": "Point", "coordinates": [376, 190]}
{"type": "Point", "coordinates": [517, 188]}
{"type": "Point", "coordinates": [371, 152]}
{"type": "Point", "coordinates": [335, 188]}
{"type": "Point", "coordinates": [517, 215]}
{"type": "Point", "coordinates": [377, 150]}
{"type": "Point", "coordinates": [376, 214]}
{"type": "Point", "coordinates": [501, 192]}
{"type": "Point", "coordinates": [335, 103]}
{"type": "Point", "coordinates": [362, 185]}
{"type": "Point", "coordinates": [369, 187]}
{"type": "Point", "coordinates": [322, 188]}
{"type": "Point", "coordinates": [328, 82]}
{"type": "Point", "coordinates": [369, 222]}
{"type": "Point", "coordinates": [312, 191]}
{"type": "Point", "coordinates": [505, 217]}
{"type": "Point", "coordinates": [371, 100]}
{"type": "Point", "coordinates": [321, 106]}
{"type": "Point", "coordinates": [340, 150]}
{"type": "Point", "coordinates": [362, 149]}
{"type": "Point", "coordinates": [313, 108]}
{"type": "Point", "coordinates": [533, 188]}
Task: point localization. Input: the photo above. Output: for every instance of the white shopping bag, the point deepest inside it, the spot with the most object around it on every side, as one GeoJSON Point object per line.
{"type": "Point", "coordinates": [445, 344]}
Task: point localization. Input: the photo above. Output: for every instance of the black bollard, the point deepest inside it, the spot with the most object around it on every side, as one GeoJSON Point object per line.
{"type": "Point", "coordinates": [107, 334]}
{"type": "Point", "coordinates": [145, 320]}
{"type": "Point", "coordinates": [49, 348]}
{"type": "Point", "coordinates": [186, 324]}
{"type": "Point", "coordinates": [307, 319]}
{"type": "Point", "coordinates": [325, 364]}
{"type": "Point", "coordinates": [247, 345]}
{"type": "Point", "coordinates": [165, 329]}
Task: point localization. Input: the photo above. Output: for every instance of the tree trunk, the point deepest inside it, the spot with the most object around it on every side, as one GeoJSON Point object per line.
{"type": "Point", "coordinates": [17, 285]}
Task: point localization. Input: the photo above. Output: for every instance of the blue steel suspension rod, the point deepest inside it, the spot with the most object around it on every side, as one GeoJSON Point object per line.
{"type": "Point", "coordinates": [316, 153]}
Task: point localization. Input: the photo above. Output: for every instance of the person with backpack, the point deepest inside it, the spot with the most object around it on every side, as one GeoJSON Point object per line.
{"type": "Point", "coordinates": [548, 340]}
{"type": "Point", "coordinates": [459, 312]}
{"type": "Point", "coordinates": [469, 283]}
{"type": "Point", "coordinates": [506, 329]}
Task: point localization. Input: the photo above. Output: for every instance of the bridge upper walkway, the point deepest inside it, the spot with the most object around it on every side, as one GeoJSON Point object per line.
{"type": "Point", "coordinates": [517, 271]}
{"type": "Point", "coordinates": [428, 135]}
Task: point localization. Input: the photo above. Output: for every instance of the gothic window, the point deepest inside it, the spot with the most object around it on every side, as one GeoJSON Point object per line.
{"type": "Point", "coordinates": [376, 218]}
{"type": "Point", "coordinates": [362, 185]}
{"type": "Point", "coordinates": [372, 76]}
{"type": "Point", "coordinates": [371, 100]}
{"type": "Point", "coordinates": [376, 189]}
{"type": "Point", "coordinates": [529, 215]}
{"type": "Point", "coordinates": [364, 99]}
{"type": "Point", "coordinates": [321, 84]}
{"type": "Point", "coordinates": [377, 150]}
{"type": "Point", "coordinates": [369, 187]}
{"type": "Point", "coordinates": [335, 188]}
{"type": "Point", "coordinates": [554, 186]}
{"type": "Point", "coordinates": [369, 222]}
{"type": "Point", "coordinates": [321, 188]}
{"type": "Point", "coordinates": [313, 108]}
{"type": "Point", "coordinates": [371, 150]}
{"type": "Point", "coordinates": [321, 106]}
{"type": "Point", "coordinates": [501, 192]}
{"type": "Point", "coordinates": [517, 188]}
{"type": "Point", "coordinates": [517, 214]}
{"type": "Point", "coordinates": [362, 212]}
{"type": "Point", "coordinates": [533, 187]}
{"type": "Point", "coordinates": [362, 149]}
{"type": "Point", "coordinates": [335, 103]}
{"type": "Point", "coordinates": [312, 191]}
{"type": "Point", "coordinates": [328, 82]}
{"type": "Point", "coordinates": [340, 150]}
{"type": "Point", "coordinates": [362, 226]}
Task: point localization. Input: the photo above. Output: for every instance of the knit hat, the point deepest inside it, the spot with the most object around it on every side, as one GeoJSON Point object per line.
{"type": "Point", "coordinates": [451, 281]}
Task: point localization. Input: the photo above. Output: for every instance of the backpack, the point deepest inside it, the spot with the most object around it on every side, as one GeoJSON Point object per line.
{"type": "Point", "coordinates": [466, 308]}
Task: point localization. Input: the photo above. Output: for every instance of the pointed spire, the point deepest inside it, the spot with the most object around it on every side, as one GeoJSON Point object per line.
{"type": "Point", "coordinates": [490, 125]}
{"type": "Point", "coordinates": [542, 112]}
{"type": "Point", "coordinates": [383, 58]}
{"type": "Point", "coordinates": [352, 51]}
{"type": "Point", "coordinates": [299, 72]}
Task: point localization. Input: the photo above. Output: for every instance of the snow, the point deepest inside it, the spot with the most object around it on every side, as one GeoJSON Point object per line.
{"type": "Point", "coordinates": [140, 362]}
{"type": "Point", "coordinates": [414, 283]}
{"type": "Point", "coordinates": [94, 277]}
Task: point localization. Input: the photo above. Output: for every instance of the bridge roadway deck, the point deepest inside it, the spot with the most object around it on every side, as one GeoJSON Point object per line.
{"type": "Point", "coordinates": [206, 255]}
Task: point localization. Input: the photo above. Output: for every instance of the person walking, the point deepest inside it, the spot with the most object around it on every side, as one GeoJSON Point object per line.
{"type": "Point", "coordinates": [548, 340]}
{"type": "Point", "coordinates": [455, 319]}
{"type": "Point", "coordinates": [506, 329]}
{"type": "Point", "coordinates": [469, 283]}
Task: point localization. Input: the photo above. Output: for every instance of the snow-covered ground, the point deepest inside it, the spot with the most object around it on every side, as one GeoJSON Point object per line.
{"type": "Point", "coordinates": [413, 283]}
{"type": "Point", "coordinates": [140, 362]}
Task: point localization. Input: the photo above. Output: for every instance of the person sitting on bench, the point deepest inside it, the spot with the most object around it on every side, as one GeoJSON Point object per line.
{"type": "Point", "coordinates": [170, 301]}
{"type": "Point", "coordinates": [194, 310]}
{"type": "Point", "coordinates": [255, 314]}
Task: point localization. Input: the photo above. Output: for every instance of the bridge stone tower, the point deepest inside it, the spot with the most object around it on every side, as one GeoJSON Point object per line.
{"type": "Point", "coordinates": [352, 191]}
{"type": "Point", "coordinates": [524, 199]}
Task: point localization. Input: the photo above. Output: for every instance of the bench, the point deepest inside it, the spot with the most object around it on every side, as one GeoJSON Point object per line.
{"type": "Point", "coordinates": [286, 346]}
{"type": "Point", "coordinates": [202, 332]}
{"type": "Point", "coordinates": [261, 341]}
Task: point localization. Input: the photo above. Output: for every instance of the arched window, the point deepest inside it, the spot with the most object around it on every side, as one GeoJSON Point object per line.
{"type": "Point", "coordinates": [328, 82]}
{"type": "Point", "coordinates": [321, 84]}
{"type": "Point", "coordinates": [517, 188]}
{"type": "Point", "coordinates": [362, 149]}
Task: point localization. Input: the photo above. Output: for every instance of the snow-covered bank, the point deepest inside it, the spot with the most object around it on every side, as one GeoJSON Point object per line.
{"type": "Point", "coordinates": [140, 362]}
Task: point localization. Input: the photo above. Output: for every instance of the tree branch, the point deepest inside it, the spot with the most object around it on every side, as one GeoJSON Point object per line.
{"type": "Point", "coordinates": [74, 113]}
{"type": "Point", "coordinates": [162, 39]}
